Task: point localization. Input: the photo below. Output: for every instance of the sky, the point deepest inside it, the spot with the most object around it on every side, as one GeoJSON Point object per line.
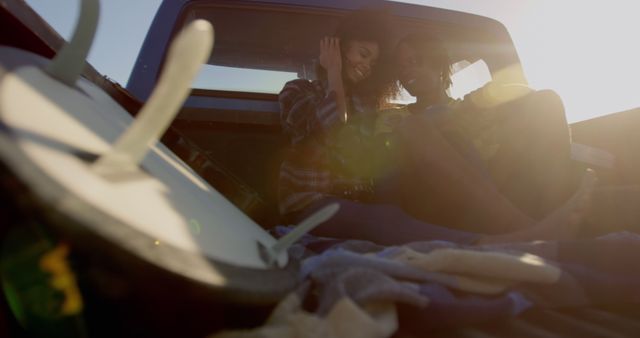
{"type": "Point", "coordinates": [587, 51]}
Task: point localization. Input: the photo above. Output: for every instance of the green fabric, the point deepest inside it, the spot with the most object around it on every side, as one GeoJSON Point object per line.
{"type": "Point", "coordinates": [359, 152]}
{"type": "Point", "coordinates": [34, 302]}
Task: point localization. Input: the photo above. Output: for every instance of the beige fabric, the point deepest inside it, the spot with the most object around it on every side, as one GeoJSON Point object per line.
{"type": "Point", "coordinates": [479, 285]}
{"type": "Point", "coordinates": [345, 320]}
{"type": "Point", "coordinates": [481, 271]}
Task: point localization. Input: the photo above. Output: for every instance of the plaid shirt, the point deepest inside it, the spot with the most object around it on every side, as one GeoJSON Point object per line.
{"type": "Point", "coordinates": [308, 116]}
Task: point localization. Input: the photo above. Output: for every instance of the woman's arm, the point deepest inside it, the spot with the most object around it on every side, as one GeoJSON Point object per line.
{"type": "Point", "coordinates": [331, 60]}
{"type": "Point", "coordinates": [306, 108]}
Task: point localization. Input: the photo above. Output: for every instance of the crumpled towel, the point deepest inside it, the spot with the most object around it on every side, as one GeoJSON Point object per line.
{"type": "Point", "coordinates": [481, 272]}
{"type": "Point", "coordinates": [346, 319]}
{"type": "Point", "coordinates": [353, 300]}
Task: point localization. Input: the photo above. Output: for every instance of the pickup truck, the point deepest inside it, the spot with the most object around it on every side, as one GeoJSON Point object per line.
{"type": "Point", "coordinates": [228, 133]}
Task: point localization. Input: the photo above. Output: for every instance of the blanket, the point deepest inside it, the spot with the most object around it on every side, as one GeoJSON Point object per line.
{"type": "Point", "coordinates": [352, 288]}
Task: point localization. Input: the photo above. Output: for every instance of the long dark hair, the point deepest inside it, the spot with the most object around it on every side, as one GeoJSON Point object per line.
{"type": "Point", "coordinates": [372, 26]}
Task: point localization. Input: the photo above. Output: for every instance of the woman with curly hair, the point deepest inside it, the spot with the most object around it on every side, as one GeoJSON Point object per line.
{"type": "Point", "coordinates": [329, 123]}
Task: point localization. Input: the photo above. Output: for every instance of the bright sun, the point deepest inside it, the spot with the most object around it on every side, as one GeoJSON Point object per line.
{"type": "Point", "coordinates": [587, 51]}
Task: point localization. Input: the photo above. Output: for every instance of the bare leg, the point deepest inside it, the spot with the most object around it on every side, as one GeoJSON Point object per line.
{"type": "Point", "coordinates": [444, 183]}
{"type": "Point", "coordinates": [533, 167]}
{"type": "Point", "coordinates": [564, 223]}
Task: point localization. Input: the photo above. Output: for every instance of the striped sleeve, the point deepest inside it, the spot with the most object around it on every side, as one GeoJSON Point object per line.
{"type": "Point", "coordinates": [306, 110]}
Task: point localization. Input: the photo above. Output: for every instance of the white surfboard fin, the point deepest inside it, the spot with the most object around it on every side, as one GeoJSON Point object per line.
{"type": "Point", "coordinates": [190, 49]}
{"type": "Point", "coordinates": [68, 64]}
{"type": "Point", "coordinates": [270, 255]}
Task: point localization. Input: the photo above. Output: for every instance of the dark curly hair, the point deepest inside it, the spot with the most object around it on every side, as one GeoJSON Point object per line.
{"type": "Point", "coordinates": [371, 25]}
{"type": "Point", "coordinates": [432, 50]}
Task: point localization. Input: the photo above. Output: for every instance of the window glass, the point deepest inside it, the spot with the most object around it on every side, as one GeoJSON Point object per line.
{"type": "Point", "coordinates": [260, 49]}
{"type": "Point", "coordinates": [242, 79]}
{"type": "Point", "coordinates": [468, 77]}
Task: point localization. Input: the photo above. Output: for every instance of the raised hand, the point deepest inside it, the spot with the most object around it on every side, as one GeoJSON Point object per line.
{"type": "Point", "coordinates": [330, 56]}
{"type": "Point", "coordinates": [331, 60]}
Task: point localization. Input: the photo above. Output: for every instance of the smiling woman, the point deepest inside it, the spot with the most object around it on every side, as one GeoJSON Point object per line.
{"type": "Point", "coordinates": [360, 57]}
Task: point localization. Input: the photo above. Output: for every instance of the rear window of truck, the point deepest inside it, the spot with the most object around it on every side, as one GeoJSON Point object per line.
{"type": "Point", "coordinates": [257, 50]}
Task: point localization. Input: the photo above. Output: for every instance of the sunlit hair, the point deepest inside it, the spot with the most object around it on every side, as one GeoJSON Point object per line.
{"type": "Point", "coordinates": [432, 50]}
{"type": "Point", "coordinates": [368, 26]}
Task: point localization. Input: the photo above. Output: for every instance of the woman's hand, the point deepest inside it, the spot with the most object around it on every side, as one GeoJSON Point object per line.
{"type": "Point", "coordinates": [331, 60]}
{"type": "Point", "coordinates": [330, 57]}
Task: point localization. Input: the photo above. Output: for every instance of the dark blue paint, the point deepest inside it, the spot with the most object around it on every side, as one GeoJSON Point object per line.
{"type": "Point", "coordinates": [148, 65]}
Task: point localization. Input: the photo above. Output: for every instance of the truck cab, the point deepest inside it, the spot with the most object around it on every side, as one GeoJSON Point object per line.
{"type": "Point", "coordinates": [233, 112]}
